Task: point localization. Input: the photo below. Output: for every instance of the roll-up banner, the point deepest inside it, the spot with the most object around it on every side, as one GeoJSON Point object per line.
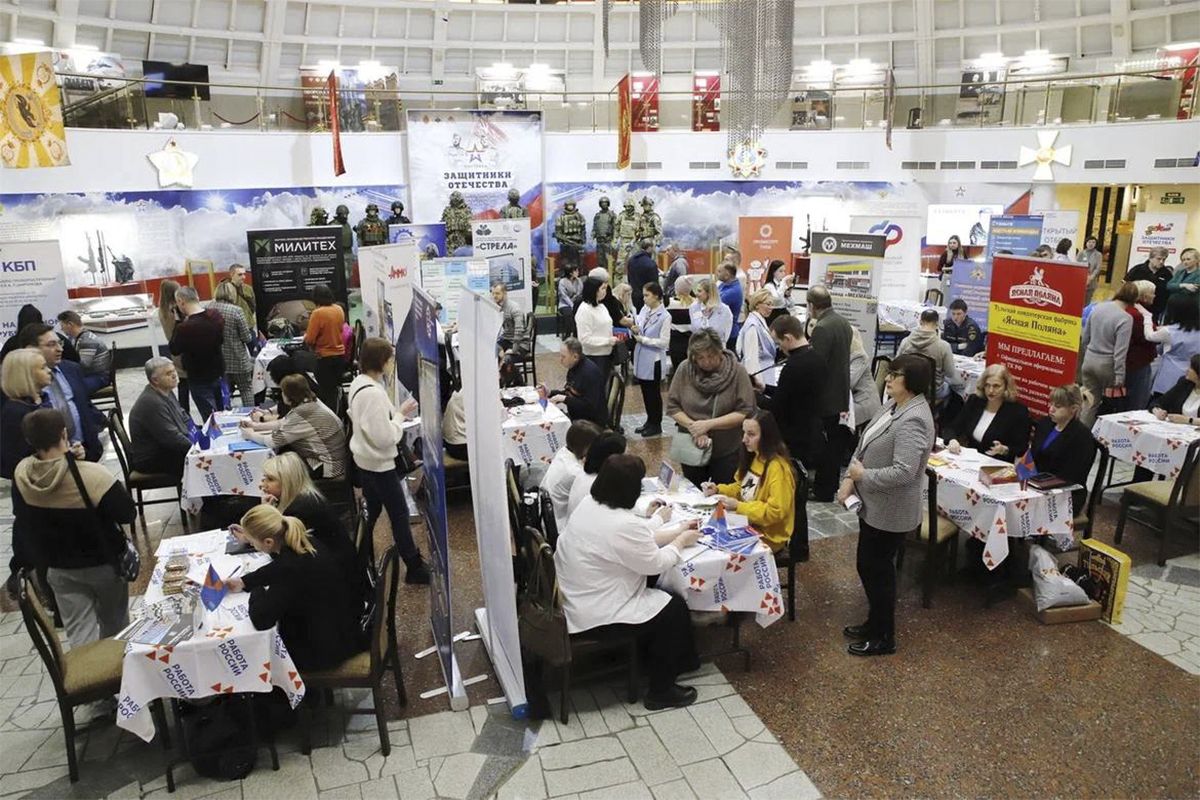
{"type": "Point", "coordinates": [286, 263]}
{"type": "Point", "coordinates": [1157, 229]}
{"type": "Point", "coordinates": [504, 244]}
{"type": "Point", "coordinates": [379, 266]}
{"type": "Point", "coordinates": [763, 240]}
{"type": "Point", "coordinates": [31, 273]}
{"type": "Point", "coordinates": [430, 239]}
{"type": "Point", "coordinates": [848, 265]}
{"type": "Point", "coordinates": [900, 271]}
{"type": "Point", "coordinates": [1019, 234]}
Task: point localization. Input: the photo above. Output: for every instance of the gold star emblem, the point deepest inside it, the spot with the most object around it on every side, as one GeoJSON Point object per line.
{"type": "Point", "coordinates": [1045, 156]}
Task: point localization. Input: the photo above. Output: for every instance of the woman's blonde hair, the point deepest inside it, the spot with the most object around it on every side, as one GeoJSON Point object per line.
{"type": "Point", "coordinates": [761, 296]}
{"type": "Point", "coordinates": [18, 375]}
{"type": "Point", "coordinates": [997, 371]}
{"type": "Point", "coordinates": [707, 285]}
{"type": "Point", "coordinates": [225, 293]}
{"type": "Point", "coordinates": [266, 522]}
{"type": "Point", "coordinates": [1145, 288]}
{"type": "Point", "coordinates": [293, 476]}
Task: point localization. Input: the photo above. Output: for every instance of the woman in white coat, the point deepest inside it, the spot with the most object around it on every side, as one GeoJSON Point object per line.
{"type": "Point", "coordinates": [653, 336]}
{"type": "Point", "coordinates": [755, 347]}
{"type": "Point", "coordinates": [603, 559]}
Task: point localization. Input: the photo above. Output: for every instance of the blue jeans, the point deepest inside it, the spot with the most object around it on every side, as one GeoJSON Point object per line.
{"type": "Point", "coordinates": [385, 491]}
{"type": "Point", "coordinates": [207, 397]}
{"type": "Point", "coordinates": [1137, 388]}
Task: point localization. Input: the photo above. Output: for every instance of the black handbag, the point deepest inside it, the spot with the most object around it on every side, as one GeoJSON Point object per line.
{"type": "Point", "coordinates": [541, 625]}
{"type": "Point", "coordinates": [127, 561]}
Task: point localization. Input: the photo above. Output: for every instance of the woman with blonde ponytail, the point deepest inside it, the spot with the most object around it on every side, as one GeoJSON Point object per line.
{"type": "Point", "coordinates": [1062, 445]}
{"type": "Point", "coordinates": [302, 591]}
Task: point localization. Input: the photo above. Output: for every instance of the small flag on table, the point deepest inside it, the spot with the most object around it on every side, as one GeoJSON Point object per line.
{"type": "Point", "coordinates": [1026, 469]}
{"type": "Point", "coordinates": [213, 428]}
{"type": "Point", "coordinates": [213, 590]}
{"type": "Point", "coordinates": [542, 398]}
{"type": "Point", "coordinates": [718, 519]}
{"type": "Point", "coordinates": [193, 432]}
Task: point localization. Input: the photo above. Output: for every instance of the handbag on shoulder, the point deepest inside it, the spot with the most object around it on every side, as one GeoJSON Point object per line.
{"type": "Point", "coordinates": [126, 561]}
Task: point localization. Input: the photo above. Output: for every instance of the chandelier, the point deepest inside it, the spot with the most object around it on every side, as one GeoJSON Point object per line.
{"type": "Point", "coordinates": [756, 55]}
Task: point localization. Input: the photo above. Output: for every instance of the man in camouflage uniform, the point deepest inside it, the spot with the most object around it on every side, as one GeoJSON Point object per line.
{"type": "Point", "coordinates": [604, 227]}
{"type": "Point", "coordinates": [397, 217]}
{"type": "Point", "coordinates": [513, 210]}
{"type": "Point", "coordinates": [341, 216]}
{"type": "Point", "coordinates": [371, 229]}
{"type": "Point", "coordinates": [629, 222]}
{"type": "Point", "coordinates": [650, 226]}
{"type": "Point", "coordinates": [457, 217]}
{"type": "Point", "coordinates": [570, 231]}
{"type": "Point", "coordinates": [318, 216]}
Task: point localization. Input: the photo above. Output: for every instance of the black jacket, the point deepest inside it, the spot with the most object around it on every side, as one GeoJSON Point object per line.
{"type": "Point", "coordinates": [642, 269]}
{"type": "Point", "coordinates": [330, 537]}
{"type": "Point", "coordinates": [831, 340]}
{"type": "Point", "coordinates": [315, 610]}
{"type": "Point", "coordinates": [965, 339]}
{"type": "Point", "coordinates": [1159, 278]}
{"type": "Point", "coordinates": [1010, 427]}
{"type": "Point", "coordinates": [796, 404]}
{"type": "Point", "coordinates": [197, 339]}
{"type": "Point", "coordinates": [1171, 400]}
{"type": "Point", "coordinates": [585, 392]}
{"type": "Point", "coordinates": [1069, 456]}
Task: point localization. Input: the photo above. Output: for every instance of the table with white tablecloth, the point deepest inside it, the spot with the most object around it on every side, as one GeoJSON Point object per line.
{"type": "Point", "coordinates": [1141, 439]}
{"type": "Point", "coordinates": [220, 470]}
{"type": "Point", "coordinates": [969, 370]}
{"type": "Point", "coordinates": [532, 434]}
{"type": "Point", "coordinates": [994, 513]}
{"type": "Point", "coordinates": [904, 313]}
{"type": "Point", "coordinates": [224, 655]}
{"type": "Point", "coordinates": [260, 380]}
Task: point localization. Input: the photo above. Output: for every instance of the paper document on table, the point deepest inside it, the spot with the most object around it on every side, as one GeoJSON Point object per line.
{"type": "Point", "coordinates": [205, 543]}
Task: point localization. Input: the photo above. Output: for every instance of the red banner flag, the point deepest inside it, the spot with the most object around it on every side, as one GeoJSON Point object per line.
{"type": "Point", "coordinates": [335, 124]}
{"type": "Point", "coordinates": [624, 123]}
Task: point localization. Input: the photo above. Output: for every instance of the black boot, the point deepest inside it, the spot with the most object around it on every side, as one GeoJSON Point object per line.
{"type": "Point", "coordinates": [675, 697]}
{"type": "Point", "coordinates": [873, 647]}
{"type": "Point", "coordinates": [857, 631]}
{"type": "Point", "coordinates": [418, 570]}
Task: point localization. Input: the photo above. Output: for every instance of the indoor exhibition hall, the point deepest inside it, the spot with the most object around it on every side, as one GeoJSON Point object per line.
{"type": "Point", "coordinates": [599, 399]}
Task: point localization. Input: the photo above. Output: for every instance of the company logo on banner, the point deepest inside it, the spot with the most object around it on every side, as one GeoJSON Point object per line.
{"type": "Point", "coordinates": [1159, 229]}
{"type": "Point", "coordinates": [763, 240]}
{"type": "Point", "coordinates": [851, 244]}
{"type": "Point", "coordinates": [504, 243]}
{"type": "Point", "coordinates": [287, 263]}
{"type": "Point", "coordinates": [30, 273]}
{"type": "Point", "coordinates": [1035, 291]}
{"type": "Point", "coordinates": [899, 273]}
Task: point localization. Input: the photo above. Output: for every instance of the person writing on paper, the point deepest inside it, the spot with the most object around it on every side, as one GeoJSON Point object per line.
{"type": "Point", "coordinates": [309, 429]}
{"type": "Point", "coordinates": [567, 465]}
{"type": "Point", "coordinates": [302, 591]}
{"type": "Point", "coordinates": [755, 347]}
{"type": "Point", "coordinates": [583, 394]}
{"type": "Point", "coordinates": [653, 335]}
{"type": "Point", "coordinates": [602, 561]}
{"type": "Point", "coordinates": [886, 475]}
{"type": "Point", "coordinates": [159, 439]}
{"type": "Point", "coordinates": [1062, 445]}
{"type": "Point", "coordinates": [378, 429]}
{"type": "Point", "coordinates": [1182, 402]}
{"type": "Point", "coordinates": [764, 487]}
{"type": "Point", "coordinates": [608, 443]}
{"type": "Point", "coordinates": [992, 420]}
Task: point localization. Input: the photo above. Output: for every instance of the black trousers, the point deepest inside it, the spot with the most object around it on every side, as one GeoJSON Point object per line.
{"type": "Point", "coordinates": [666, 639]}
{"type": "Point", "coordinates": [877, 570]}
{"type": "Point", "coordinates": [329, 372]}
{"type": "Point", "coordinates": [459, 451]}
{"type": "Point", "coordinates": [830, 461]}
{"type": "Point", "coordinates": [677, 347]}
{"type": "Point", "coordinates": [719, 469]}
{"type": "Point", "coordinates": [652, 397]}
{"type": "Point", "coordinates": [603, 362]}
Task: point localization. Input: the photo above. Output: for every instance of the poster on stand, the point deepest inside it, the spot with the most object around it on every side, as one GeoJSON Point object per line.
{"type": "Point", "coordinates": [430, 240]}
{"type": "Point", "coordinates": [446, 279]}
{"type": "Point", "coordinates": [479, 320]}
{"type": "Point", "coordinates": [1057, 225]}
{"type": "Point", "coordinates": [967, 221]}
{"type": "Point", "coordinates": [1157, 229]}
{"type": "Point", "coordinates": [848, 265]}
{"type": "Point", "coordinates": [1034, 324]}
{"type": "Point", "coordinates": [971, 282]}
{"type": "Point", "coordinates": [286, 263]}
{"type": "Point", "coordinates": [378, 267]}
{"type": "Point", "coordinates": [899, 273]}
{"type": "Point", "coordinates": [504, 244]}
{"type": "Point", "coordinates": [30, 273]}
{"type": "Point", "coordinates": [761, 241]}
{"type": "Point", "coordinates": [1019, 234]}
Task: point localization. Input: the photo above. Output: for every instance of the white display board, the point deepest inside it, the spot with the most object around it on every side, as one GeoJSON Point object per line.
{"type": "Point", "coordinates": [385, 264]}
{"type": "Point", "coordinates": [1157, 229]}
{"type": "Point", "coordinates": [504, 244]}
{"type": "Point", "coordinates": [967, 221]}
{"type": "Point", "coordinates": [898, 276]}
{"type": "Point", "coordinates": [446, 279]}
{"type": "Point", "coordinates": [1058, 225]}
{"type": "Point", "coordinates": [479, 320]}
{"type": "Point", "coordinates": [30, 273]}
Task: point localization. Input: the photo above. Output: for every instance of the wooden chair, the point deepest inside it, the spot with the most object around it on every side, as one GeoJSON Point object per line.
{"type": "Point", "coordinates": [364, 540]}
{"type": "Point", "coordinates": [1175, 504]}
{"type": "Point", "coordinates": [107, 397]}
{"type": "Point", "coordinates": [615, 401]}
{"type": "Point", "coordinates": [797, 547]}
{"type": "Point", "coordinates": [141, 482]}
{"type": "Point", "coordinates": [939, 537]}
{"type": "Point", "coordinates": [365, 670]}
{"type": "Point", "coordinates": [1084, 519]}
{"type": "Point", "coordinates": [81, 675]}
{"type": "Point", "coordinates": [933, 297]}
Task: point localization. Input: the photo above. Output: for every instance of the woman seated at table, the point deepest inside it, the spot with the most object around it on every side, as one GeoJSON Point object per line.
{"type": "Point", "coordinates": [992, 420]}
{"type": "Point", "coordinates": [279, 368]}
{"type": "Point", "coordinates": [1181, 403]}
{"type": "Point", "coordinates": [764, 487]}
{"type": "Point", "coordinates": [310, 429]}
{"type": "Point", "coordinates": [1062, 445]}
{"type": "Point", "coordinates": [302, 591]}
{"type": "Point", "coordinates": [605, 445]}
{"type": "Point", "coordinates": [603, 559]}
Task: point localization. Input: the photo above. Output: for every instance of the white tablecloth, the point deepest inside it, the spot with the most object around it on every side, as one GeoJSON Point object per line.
{"type": "Point", "coordinates": [905, 313]}
{"type": "Point", "coordinates": [261, 379]}
{"type": "Point", "coordinates": [994, 513]}
{"type": "Point", "coordinates": [217, 471]}
{"type": "Point", "coordinates": [969, 370]}
{"type": "Point", "coordinates": [226, 655]}
{"type": "Point", "coordinates": [1139, 438]}
{"type": "Point", "coordinates": [531, 433]}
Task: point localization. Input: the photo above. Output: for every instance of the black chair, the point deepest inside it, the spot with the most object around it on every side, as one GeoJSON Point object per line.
{"type": "Point", "coordinates": [107, 397]}
{"type": "Point", "coordinates": [934, 297]}
{"type": "Point", "coordinates": [526, 365]}
{"type": "Point", "coordinates": [797, 546]}
{"type": "Point", "coordinates": [1175, 504]}
{"type": "Point", "coordinates": [888, 334]}
{"type": "Point", "coordinates": [1083, 520]}
{"type": "Point", "coordinates": [614, 394]}
{"type": "Point", "coordinates": [140, 482]}
{"type": "Point", "coordinates": [939, 536]}
{"type": "Point", "coordinates": [880, 365]}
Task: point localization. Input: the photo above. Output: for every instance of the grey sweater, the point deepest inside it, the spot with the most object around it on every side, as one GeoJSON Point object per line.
{"type": "Point", "coordinates": [929, 343]}
{"type": "Point", "coordinates": [1106, 336]}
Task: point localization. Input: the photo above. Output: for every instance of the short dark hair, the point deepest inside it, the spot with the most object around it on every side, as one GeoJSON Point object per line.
{"type": "Point", "coordinates": [619, 484]}
{"type": "Point", "coordinates": [1184, 311]}
{"type": "Point", "coordinates": [43, 428]}
{"type": "Point", "coordinates": [606, 444]}
{"type": "Point", "coordinates": [1128, 293]}
{"type": "Point", "coordinates": [591, 290]}
{"type": "Point", "coordinates": [374, 354]}
{"type": "Point", "coordinates": [958, 304]}
{"type": "Point", "coordinates": [818, 297]}
{"type": "Point", "coordinates": [652, 287]}
{"type": "Point", "coordinates": [71, 317]}
{"type": "Point", "coordinates": [929, 315]}
{"type": "Point", "coordinates": [727, 268]}
{"type": "Point", "coordinates": [30, 334]}
{"type": "Point", "coordinates": [573, 345]}
{"type": "Point", "coordinates": [788, 325]}
{"type": "Point", "coordinates": [916, 372]}
{"type": "Point", "coordinates": [1063, 246]}
{"type": "Point", "coordinates": [322, 294]}
{"type": "Point", "coordinates": [580, 436]}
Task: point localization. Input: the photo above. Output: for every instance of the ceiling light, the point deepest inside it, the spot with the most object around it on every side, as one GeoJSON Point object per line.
{"type": "Point", "coordinates": [34, 42]}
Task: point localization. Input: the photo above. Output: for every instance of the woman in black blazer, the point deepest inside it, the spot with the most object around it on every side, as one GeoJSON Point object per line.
{"type": "Point", "coordinates": [1062, 445]}
{"type": "Point", "coordinates": [1006, 435]}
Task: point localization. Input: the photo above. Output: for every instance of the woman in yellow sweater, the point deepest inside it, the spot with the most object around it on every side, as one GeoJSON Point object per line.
{"type": "Point", "coordinates": [764, 488]}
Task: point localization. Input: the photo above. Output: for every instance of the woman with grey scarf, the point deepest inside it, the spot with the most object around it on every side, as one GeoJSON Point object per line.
{"type": "Point", "coordinates": [710, 396]}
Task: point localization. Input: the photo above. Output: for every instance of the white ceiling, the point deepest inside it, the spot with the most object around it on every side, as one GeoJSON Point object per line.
{"type": "Point", "coordinates": [265, 41]}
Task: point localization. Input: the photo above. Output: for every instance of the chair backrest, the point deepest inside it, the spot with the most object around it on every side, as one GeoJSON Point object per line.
{"type": "Point", "coordinates": [1093, 495]}
{"type": "Point", "coordinates": [616, 400]}
{"type": "Point", "coordinates": [932, 504]}
{"type": "Point", "coordinates": [112, 367]}
{"type": "Point", "coordinates": [1186, 490]}
{"type": "Point", "coordinates": [41, 629]}
{"type": "Point", "coordinates": [549, 523]}
{"type": "Point", "coordinates": [383, 622]}
{"type": "Point", "coordinates": [515, 515]}
{"type": "Point", "coordinates": [363, 544]}
{"type": "Point", "coordinates": [120, 441]}
{"type": "Point", "coordinates": [934, 296]}
{"type": "Point", "coordinates": [931, 392]}
{"type": "Point", "coordinates": [800, 520]}
{"type": "Point", "coordinates": [360, 335]}
{"type": "Point", "coordinates": [879, 370]}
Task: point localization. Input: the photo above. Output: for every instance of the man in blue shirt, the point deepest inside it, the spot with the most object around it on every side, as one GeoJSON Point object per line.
{"type": "Point", "coordinates": [730, 289]}
{"type": "Point", "coordinates": [69, 392]}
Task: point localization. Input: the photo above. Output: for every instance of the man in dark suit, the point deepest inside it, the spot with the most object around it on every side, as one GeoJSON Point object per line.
{"type": "Point", "coordinates": [70, 390]}
{"type": "Point", "coordinates": [642, 269]}
{"type": "Point", "coordinates": [583, 395]}
{"type": "Point", "coordinates": [831, 340]}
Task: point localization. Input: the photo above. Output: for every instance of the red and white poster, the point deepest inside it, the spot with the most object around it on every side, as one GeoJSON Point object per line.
{"type": "Point", "coordinates": [624, 123]}
{"type": "Point", "coordinates": [762, 240]}
{"type": "Point", "coordinates": [1034, 324]}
